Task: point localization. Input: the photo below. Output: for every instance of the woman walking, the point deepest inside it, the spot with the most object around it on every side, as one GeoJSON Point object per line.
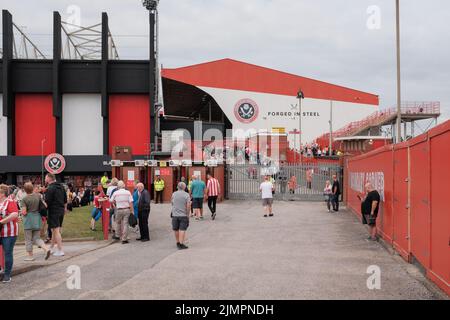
{"type": "Point", "coordinates": [32, 205]}
{"type": "Point", "coordinates": [9, 214]}
{"type": "Point", "coordinates": [328, 193]}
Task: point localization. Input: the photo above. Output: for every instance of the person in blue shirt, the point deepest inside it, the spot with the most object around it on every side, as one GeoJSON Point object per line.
{"type": "Point", "coordinates": [197, 192]}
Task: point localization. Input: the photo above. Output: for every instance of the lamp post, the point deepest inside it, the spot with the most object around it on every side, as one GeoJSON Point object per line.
{"type": "Point", "coordinates": [399, 99]}
{"type": "Point", "coordinates": [300, 97]}
{"type": "Point", "coordinates": [331, 129]}
{"type": "Point", "coordinates": [152, 6]}
{"type": "Point", "coordinates": [42, 160]}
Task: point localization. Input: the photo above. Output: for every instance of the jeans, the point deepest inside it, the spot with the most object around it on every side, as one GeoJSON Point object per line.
{"type": "Point", "coordinates": [212, 201]}
{"type": "Point", "coordinates": [8, 248]}
{"type": "Point", "coordinates": [329, 200]}
{"type": "Point", "coordinates": [335, 202]}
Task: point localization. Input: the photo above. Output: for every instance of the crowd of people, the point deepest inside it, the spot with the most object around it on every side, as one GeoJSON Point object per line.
{"type": "Point", "coordinates": [315, 150]}
{"type": "Point", "coordinates": [41, 208]}
{"type": "Point", "coordinates": [37, 208]}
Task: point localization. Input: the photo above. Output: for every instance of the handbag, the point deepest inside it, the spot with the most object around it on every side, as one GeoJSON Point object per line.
{"type": "Point", "coordinates": [32, 221]}
{"type": "Point", "coordinates": [42, 209]}
{"type": "Point", "coordinates": [132, 221]}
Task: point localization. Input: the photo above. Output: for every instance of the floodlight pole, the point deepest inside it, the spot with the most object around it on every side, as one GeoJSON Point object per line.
{"type": "Point", "coordinates": [300, 97]}
{"type": "Point", "coordinates": [331, 129]}
{"type": "Point", "coordinates": [42, 161]}
{"type": "Point", "coordinates": [152, 7]}
{"type": "Point", "coordinates": [399, 99]}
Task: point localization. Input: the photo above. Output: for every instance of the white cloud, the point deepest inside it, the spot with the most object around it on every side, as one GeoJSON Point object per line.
{"type": "Point", "coordinates": [324, 39]}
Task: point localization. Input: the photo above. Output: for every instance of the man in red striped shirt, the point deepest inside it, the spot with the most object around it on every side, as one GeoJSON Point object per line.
{"type": "Point", "coordinates": [213, 192]}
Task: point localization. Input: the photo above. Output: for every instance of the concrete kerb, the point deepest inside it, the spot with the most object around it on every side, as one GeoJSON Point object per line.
{"type": "Point", "coordinates": [27, 268]}
{"type": "Point", "coordinates": [88, 239]}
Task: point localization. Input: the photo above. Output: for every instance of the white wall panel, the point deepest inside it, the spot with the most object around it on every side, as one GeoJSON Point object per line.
{"type": "Point", "coordinates": [3, 130]}
{"type": "Point", "coordinates": [313, 125]}
{"type": "Point", "coordinates": [82, 124]}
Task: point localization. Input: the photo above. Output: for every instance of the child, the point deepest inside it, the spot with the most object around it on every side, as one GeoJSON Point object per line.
{"type": "Point", "coordinates": [97, 210]}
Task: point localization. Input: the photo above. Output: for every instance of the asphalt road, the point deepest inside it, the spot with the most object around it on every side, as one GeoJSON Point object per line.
{"type": "Point", "coordinates": [304, 252]}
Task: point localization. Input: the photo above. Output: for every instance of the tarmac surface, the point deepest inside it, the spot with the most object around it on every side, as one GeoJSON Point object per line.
{"type": "Point", "coordinates": [303, 252]}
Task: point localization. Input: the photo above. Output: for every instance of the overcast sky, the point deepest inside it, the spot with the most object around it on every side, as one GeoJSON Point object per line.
{"type": "Point", "coordinates": [328, 40]}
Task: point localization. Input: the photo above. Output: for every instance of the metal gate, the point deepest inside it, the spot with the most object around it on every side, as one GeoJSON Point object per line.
{"type": "Point", "coordinates": [243, 181]}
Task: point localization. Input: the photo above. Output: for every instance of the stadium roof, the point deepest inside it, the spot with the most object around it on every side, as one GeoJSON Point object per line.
{"type": "Point", "coordinates": [236, 75]}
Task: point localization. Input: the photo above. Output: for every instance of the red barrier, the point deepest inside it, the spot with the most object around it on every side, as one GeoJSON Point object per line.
{"type": "Point", "coordinates": [412, 178]}
{"type": "Point", "coordinates": [106, 206]}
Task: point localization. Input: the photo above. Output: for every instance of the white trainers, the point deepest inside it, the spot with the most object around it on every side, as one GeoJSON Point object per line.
{"type": "Point", "coordinates": [58, 254]}
{"type": "Point", "coordinates": [29, 259]}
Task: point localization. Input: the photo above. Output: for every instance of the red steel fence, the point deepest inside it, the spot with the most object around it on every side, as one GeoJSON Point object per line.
{"type": "Point", "coordinates": [413, 180]}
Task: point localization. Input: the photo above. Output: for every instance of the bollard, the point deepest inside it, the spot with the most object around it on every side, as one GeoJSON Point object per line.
{"type": "Point", "coordinates": [105, 219]}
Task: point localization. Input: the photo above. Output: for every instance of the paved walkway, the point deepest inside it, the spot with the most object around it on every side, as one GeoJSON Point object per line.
{"type": "Point", "coordinates": [304, 252]}
{"type": "Point", "coordinates": [71, 250]}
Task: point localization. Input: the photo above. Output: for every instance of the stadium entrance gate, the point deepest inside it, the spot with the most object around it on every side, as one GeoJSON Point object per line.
{"type": "Point", "coordinates": [242, 181]}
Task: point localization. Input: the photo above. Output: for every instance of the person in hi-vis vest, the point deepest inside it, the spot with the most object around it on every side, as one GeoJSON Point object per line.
{"type": "Point", "coordinates": [159, 188]}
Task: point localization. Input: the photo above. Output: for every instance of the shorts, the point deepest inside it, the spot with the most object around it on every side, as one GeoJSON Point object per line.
{"type": "Point", "coordinates": [96, 214]}
{"type": "Point", "coordinates": [267, 202]}
{"type": "Point", "coordinates": [55, 220]}
{"type": "Point", "coordinates": [197, 203]}
{"type": "Point", "coordinates": [369, 220]}
{"type": "Point", "coordinates": [180, 223]}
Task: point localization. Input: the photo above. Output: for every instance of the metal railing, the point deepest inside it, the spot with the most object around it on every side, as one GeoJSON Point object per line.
{"type": "Point", "coordinates": [379, 117]}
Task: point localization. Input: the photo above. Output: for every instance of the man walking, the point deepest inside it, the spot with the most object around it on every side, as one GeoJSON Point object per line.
{"type": "Point", "coordinates": [267, 189]}
{"type": "Point", "coordinates": [198, 195]}
{"type": "Point", "coordinates": [181, 205]}
{"type": "Point", "coordinates": [123, 202]}
{"type": "Point", "coordinates": [56, 200]}
{"type": "Point", "coordinates": [143, 212]}
{"type": "Point", "coordinates": [213, 192]}
{"type": "Point", "coordinates": [369, 207]}
{"type": "Point", "coordinates": [159, 188]}
{"type": "Point", "coordinates": [336, 190]}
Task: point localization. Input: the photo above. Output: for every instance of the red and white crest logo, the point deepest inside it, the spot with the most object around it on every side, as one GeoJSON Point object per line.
{"type": "Point", "coordinates": [246, 110]}
{"type": "Point", "coordinates": [55, 163]}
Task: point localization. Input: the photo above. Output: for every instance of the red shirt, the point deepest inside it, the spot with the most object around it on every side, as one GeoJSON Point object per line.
{"type": "Point", "coordinates": [96, 202]}
{"type": "Point", "coordinates": [213, 187]}
{"type": "Point", "coordinates": [10, 229]}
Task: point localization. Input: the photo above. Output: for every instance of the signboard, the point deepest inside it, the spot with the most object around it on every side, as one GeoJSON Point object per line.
{"type": "Point", "coordinates": [163, 164]}
{"type": "Point", "coordinates": [198, 174]}
{"type": "Point", "coordinates": [165, 172]}
{"type": "Point", "coordinates": [130, 175]}
{"type": "Point", "coordinates": [55, 163]}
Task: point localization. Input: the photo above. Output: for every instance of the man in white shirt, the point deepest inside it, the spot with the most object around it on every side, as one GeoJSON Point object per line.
{"type": "Point", "coordinates": [267, 189]}
{"type": "Point", "coordinates": [123, 202]}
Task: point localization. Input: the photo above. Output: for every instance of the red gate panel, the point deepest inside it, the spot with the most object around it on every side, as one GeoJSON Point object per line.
{"type": "Point", "coordinates": [34, 122]}
{"type": "Point", "coordinates": [440, 218]}
{"type": "Point", "coordinates": [129, 122]}
{"type": "Point", "coordinates": [401, 201]}
{"type": "Point", "coordinates": [420, 203]}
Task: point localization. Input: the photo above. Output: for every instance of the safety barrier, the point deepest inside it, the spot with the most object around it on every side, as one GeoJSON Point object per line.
{"type": "Point", "coordinates": [379, 117]}
{"type": "Point", "coordinates": [412, 178]}
{"type": "Point", "coordinates": [106, 206]}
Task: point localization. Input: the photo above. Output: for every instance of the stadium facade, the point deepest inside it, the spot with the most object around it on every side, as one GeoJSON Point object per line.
{"type": "Point", "coordinates": [82, 109]}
